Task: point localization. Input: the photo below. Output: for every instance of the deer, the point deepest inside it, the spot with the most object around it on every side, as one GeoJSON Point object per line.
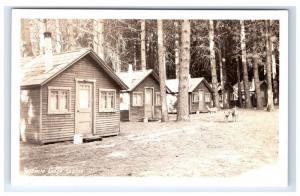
{"type": "Point", "coordinates": [212, 110]}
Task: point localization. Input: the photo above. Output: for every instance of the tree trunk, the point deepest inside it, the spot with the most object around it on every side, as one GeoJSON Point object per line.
{"type": "Point", "coordinates": [177, 49]}
{"type": "Point", "coordinates": [71, 35]}
{"type": "Point", "coordinates": [118, 63]}
{"type": "Point", "coordinates": [42, 29]}
{"type": "Point", "coordinates": [213, 65]}
{"type": "Point", "coordinates": [58, 36]}
{"type": "Point", "coordinates": [221, 79]}
{"type": "Point", "coordinates": [162, 71]}
{"type": "Point", "coordinates": [223, 76]}
{"type": "Point", "coordinates": [274, 73]}
{"type": "Point", "coordinates": [245, 67]}
{"type": "Point", "coordinates": [143, 45]}
{"type": "Point", "coordinates": [183, 97]}
{"type": "Point", "coordinates": [270, 106]}
{"type": "Point", "coordinates": [134, 55]}
{"type": "Point", "coordinates": [98, 41]}
{"type": "Point", "coordinates": [239, 82]}
{"type": "Point", "coordinates": [26, 40]}
{"type": "Point", "coordinates": [225, 91]}
{"type": "Point", "coordinates": [259, 104]}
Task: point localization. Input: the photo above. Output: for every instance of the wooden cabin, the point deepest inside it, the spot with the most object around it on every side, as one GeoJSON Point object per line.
{"type": "Point", "coordinates": [263, 89]}
{"type": "Point", "coordinates": [142, 98]}
{"type": "Point", "coordinates": [228, 95]}
{"type": "Point", "coordinates": [66, 94]}
{"type": "Point", "coordinates": [200, 95]}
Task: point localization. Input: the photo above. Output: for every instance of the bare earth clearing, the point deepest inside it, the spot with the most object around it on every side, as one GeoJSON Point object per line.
{"type": "Point", "coordinates": [205, 146]}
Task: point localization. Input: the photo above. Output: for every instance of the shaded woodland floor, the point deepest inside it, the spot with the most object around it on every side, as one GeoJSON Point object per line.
{"type": "Point", "coordinates": [205, 146]}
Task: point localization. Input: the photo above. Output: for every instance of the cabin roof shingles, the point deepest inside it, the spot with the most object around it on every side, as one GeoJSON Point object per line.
{"type": "Point", "coordinates": [173, 84]}
{"type": "Point", "coordinates": [33, 69]}
{"type": "Point", "coordinates": [134, 78]}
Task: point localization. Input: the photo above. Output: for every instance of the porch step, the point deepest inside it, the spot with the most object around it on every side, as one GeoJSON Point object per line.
{"type": "Point", "coordinates": [90, 138]}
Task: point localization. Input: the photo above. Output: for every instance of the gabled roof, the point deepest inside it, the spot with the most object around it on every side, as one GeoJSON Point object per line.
{"type": "Point", "coordinates": [173, 84]}
{"type": "Point", "coordinates": [33, 69]}
{"type": "Point", "coordinates": [251, 85]}
{"type": "Point", "coordinates": [134, 78]}
{"type": "Point", "coordinates": [227, 85]}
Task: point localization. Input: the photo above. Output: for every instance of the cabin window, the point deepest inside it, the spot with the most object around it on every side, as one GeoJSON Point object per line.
{"type": "Point", "coordinates": [59, 100]}
{"type": "Point", "coordinates": [231, 96]}
{"type": "Point", "coordinates": [195, 97]}
{"type": "Point", "coordinates": [107, 100]}
{"type": "Point", "coordinates": [137, 99]}
{"type": "Point", "coordinates": [207, 97]}
{"type": "Point", "coordinates": [157, 99]}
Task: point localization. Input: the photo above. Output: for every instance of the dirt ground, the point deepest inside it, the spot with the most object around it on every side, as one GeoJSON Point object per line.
{"type": "Point", "coordinates": [205, 146]}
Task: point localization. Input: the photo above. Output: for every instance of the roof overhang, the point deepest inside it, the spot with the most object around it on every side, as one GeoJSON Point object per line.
{"type": "Point", "coordinates": [95, 57]}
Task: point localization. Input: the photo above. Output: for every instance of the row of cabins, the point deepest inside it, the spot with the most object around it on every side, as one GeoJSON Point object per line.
{"type": "Point", "coordinates": [141, 101]}
{"type": "Point", "coordinates": [77, 93]}
{"type": "Point", "coordinates": [263, 90]}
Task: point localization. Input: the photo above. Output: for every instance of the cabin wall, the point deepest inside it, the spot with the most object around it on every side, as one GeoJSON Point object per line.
{"type": "Point", "coordinates": [30, 115]}
{"type": "Point", "coordinates": [194, 107]}
{"type": "Point", "coordinates": [137, 112]}
{"type": "Point", "coordinates": [60, 127]}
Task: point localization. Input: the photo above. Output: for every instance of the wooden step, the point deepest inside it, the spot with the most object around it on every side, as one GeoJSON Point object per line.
{"type": "Point", "coordinates": [89, 138]}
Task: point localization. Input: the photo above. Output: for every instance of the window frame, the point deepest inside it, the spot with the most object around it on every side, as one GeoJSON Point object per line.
{"type": "Point", "coordinates": [142, 102]}
{"type": "Point", "coordinates": [231, 96]}
{"type": "Point", "coordinates": [156, 103]}
{"type": "Point", "coordinates": [193, 94]}
{"type": "Point", "coordinates": [60, 90]}
{"type": "Point", "coordinates": [99, 100]}
{"type": "Point", "coordinates": [205, 96]}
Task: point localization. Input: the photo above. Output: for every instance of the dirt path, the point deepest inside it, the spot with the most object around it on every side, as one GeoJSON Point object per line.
{"type": "Point", "coordinates": [205, 146]}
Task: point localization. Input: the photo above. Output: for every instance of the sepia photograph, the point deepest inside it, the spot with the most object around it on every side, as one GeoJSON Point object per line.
{"type": "Point", "coordinates": [150, 96]}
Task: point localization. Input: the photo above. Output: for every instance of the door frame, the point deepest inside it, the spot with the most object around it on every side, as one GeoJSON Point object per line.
{"type": "Point", "coordinates": [93, 82]}
{"type": "Point", "coordinates": [152, 109]}
{"type": "Point", "coordinates": [203, 100]}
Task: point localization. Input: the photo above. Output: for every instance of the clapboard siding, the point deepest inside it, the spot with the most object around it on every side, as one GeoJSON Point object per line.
{"type": "Point", "coordinates": [137, 112]}
{"type": "Point", "coordinates": [194, 107]}
{"type": "Point", "coordinates": [30, 115]}
{"type": "Point", "coordinates": [59, 127]}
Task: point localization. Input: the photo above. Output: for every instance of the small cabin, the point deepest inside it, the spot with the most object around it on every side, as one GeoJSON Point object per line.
{"type": "Point", "coordinates": [228, 100]}
{"type": "Point", "coordinates": [66, 94]}
{"type": "Point", "coordinates": [200, 95]}
{"type": "Point", "coordinates": [142, 98]}
{"type": "Point", "coordinates": [263, 91]}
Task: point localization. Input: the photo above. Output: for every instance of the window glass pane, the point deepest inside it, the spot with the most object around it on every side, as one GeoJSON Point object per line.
{"type": "Point", "coordinates": [84, 98]}
{"type": "Point", "coordinates": [195, 97]}
{"type": "Point", "coordinates": [139, 99]}
{"type": "Point", "coordinates": [207, 97]}
{"type": "Point", "coordinates": [133, 99]}
{"type": "Point", "coordinates": [103, 99]}
{"type": "Point", "coordinates": [158, 102]}
{"type": "Point", "coordinates": [64, 100]}
{"type": "Point", "coordinates": [54, 100]}
{"type": "Point", "coordinates": [110, 100]}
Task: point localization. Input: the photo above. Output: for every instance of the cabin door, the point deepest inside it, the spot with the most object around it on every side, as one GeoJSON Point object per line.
{"type": "Point", "coordinates": [149, 103]}
{"type": "Point", "coordinates": [84, 108]}
{"type": "Point", "coordinates": [201, 101]}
